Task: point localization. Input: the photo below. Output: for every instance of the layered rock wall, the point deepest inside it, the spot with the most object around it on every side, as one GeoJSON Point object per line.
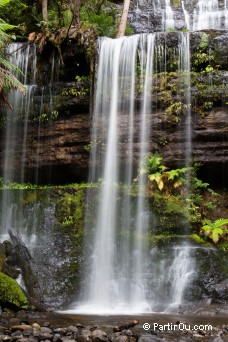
{"type": "Point", "coordinates": [58, 134]}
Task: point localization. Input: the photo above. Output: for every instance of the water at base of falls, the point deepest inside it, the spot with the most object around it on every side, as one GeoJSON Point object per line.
{"type": "Point", "coordinates": [170, 270]}
{"type": "Point", "coordinates": [124, 274]}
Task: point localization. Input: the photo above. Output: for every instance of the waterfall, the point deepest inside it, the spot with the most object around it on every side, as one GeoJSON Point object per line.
{"type": "Point", "coordinates": [142, 225]}
{"type": "Point", "coordinates": [181, 271]}
{"type": "Point", "coordinates": [115, 92]}
{"type": "Point", "coordinates": [186, 16]}
{"type": "Point", "coordinates": [184, 70]}
{"type": "Point", "coordinates": [209, 15]}
{"type": "Point", "coordinates": [124, 272]}
{"type": "Point", "coordinates": [168, 22]}
{"type": "Point", "coordinates": [23, 56]}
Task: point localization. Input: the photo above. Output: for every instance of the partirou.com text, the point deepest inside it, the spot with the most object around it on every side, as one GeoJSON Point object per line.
{"type": "Point", "coordinates": [174, 327]}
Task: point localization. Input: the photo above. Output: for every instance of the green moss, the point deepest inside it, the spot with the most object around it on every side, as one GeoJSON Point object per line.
{"type": "Point", "coordinates": [176, 3]}
{"type": "Point", "coordinates": [70, 213]}
{"type": "Point", "coordinates": [11, 293]}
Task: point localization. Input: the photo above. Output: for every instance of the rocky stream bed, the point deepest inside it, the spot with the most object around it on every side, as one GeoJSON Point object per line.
{"type": "Point", "coordinates": [34, 327]}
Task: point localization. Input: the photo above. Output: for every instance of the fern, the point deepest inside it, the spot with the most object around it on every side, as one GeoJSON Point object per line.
{"type": "Point", "coordinates": [176, 173]}
{"type": "Point", "coordinates": [4, 2]}
{"type": "Point", "coordinates": [213, 230]}
{"type": "Point", "coordinates": [157, 177]}
{"type": "Point", "coordinates": [8, 81]}
{"type": "Point", "coordinates": [9, 66]}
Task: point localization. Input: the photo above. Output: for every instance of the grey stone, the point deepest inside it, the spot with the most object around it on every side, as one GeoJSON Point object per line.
{"type": "Point", "coordinates": [17, 333]}
{"type": "Point", "coordinates": [99, 336]}
{"type": "Point", "coordinates": [61, 331]}
{"type": "Point", "coordinates": [36, 333]}
{"type": "Point", "coordinates": [85, 332]}
{"type": "Point", "coordinates": [28, 332]}
{"type": "Point", "coordinates": [73, 329]}
{"type": "Point", "coordinates": [127, 332]}
{"type": "Point", "coordinates": [56, 338]}
{"type": "Point", "coordinates": [45, 336]}
{"type": "Point", "coordinates": [83, 338]}
{"type": "Point", "coordinates": [45, 330]}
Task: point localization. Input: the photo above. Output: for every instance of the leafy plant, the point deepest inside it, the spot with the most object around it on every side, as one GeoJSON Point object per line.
{"type": "Point", "coordinates": [8, 80]}
{"type": "Point", "coordinates": [152, 164]}
{"type": "Point", "coordinates": [105, 24]}
{"type": "Point", "coordinates": [214, 230]}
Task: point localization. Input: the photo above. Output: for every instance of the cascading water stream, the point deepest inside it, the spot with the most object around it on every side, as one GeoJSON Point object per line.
{"type": "Point", "coordinates": [168, 22]}
{"type": "Point", "coordinates": [186, 16]}
{"type": "Point", "coordinates": [24, 58]}
{"type": "Point", "coordinates": [184, 70]}
{"type": "Point", "coordinates": [123, 275]}
{"type": "Point", "coordinates": [140, 242]}
{"type": "Point", "coordinates": [210, 15]}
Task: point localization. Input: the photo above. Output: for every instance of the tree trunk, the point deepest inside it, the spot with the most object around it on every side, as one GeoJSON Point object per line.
{"type": "Point", "coordinates": [45, 10]}
{"type": "Point", "coordinates": [76, 12]}
{"type": "Point", "coordinates": [123, 21]}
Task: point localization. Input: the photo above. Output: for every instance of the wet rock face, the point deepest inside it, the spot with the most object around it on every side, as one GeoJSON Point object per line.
{"type": "Point", "coordinates": [59, 130]}
{"type": "Point", "coordinates": [148, 16]}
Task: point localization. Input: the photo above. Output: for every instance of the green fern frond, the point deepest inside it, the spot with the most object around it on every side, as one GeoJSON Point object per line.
{"type": "Point", "coordinates": [4, 2]}
{"type": "Point", "coordinates": [8, 81]}
{"type": "Point", "coordinates": [220, 222]}
{"type": "Point", "coordinates": [6, 27]}
{"type": "Point", "coordinates": [9, 66]}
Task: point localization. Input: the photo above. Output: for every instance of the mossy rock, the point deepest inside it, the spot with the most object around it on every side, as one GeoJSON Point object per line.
{"type": "Point", "coordinates": [11, 294]}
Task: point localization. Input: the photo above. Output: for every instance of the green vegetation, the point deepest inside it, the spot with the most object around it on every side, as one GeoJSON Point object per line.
{"type": "Point", "coordinates": [180, 198]}
{"type": "Point", "coordinates": [7, 70]}
{"type": "Point", "coordinates": [169, 90]}
{"type": "Point", "coordinates": [100, 15]}
{"type": "Point", "coordinates": [11, 293]}
{"type": "Point", "coordinates": [215, 230]}
{"type": "Point", "coordinates": [70, 213]}
{"type": "Point", "coordinates": [176, 3]}
{"type": "Point", "coordinates": [6, 185]}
